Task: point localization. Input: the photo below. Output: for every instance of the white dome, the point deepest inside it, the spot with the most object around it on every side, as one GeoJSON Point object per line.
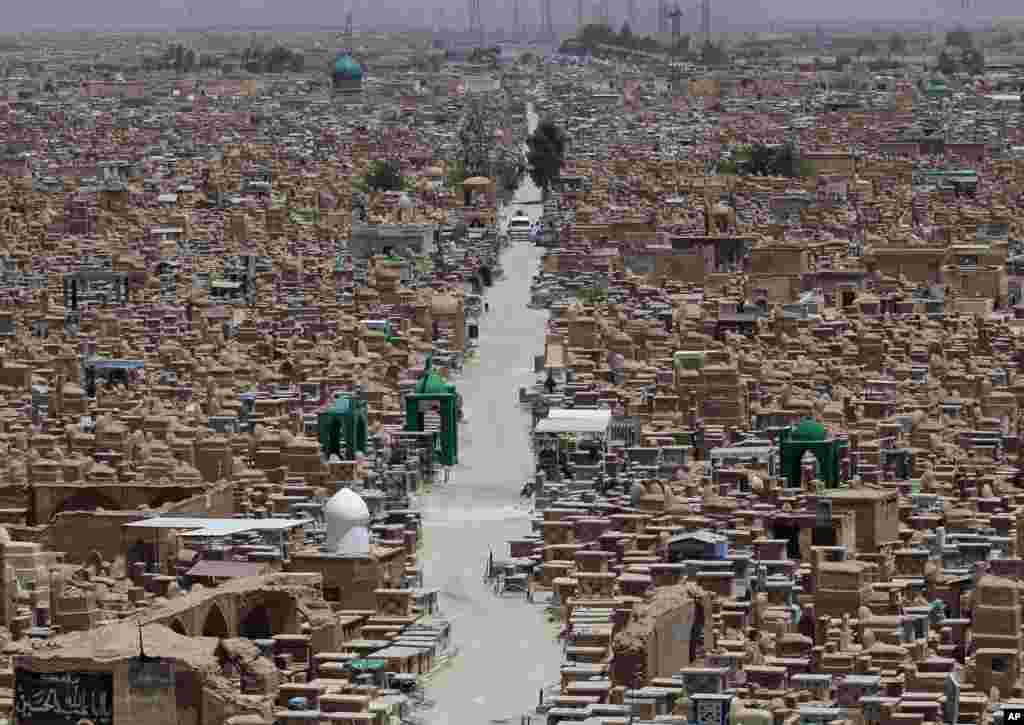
{"type": "Point", "coordinates": [347, 519]}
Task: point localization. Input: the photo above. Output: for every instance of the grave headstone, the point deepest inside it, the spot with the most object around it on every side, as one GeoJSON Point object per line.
{"type": "Point", "coordinates": [710, 709]}
{"type": "Point", "coordinates": [824, 511]}
{"type": "Point", "coordinates": [951, 707]}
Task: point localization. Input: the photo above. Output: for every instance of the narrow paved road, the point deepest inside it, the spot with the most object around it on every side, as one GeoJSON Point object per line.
{"type": "Point", "coordinates": [508, 650]}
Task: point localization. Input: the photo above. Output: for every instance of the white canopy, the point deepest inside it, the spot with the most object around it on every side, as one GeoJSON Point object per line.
{"type": "Point", "coordinates": [566, 420]}
{"type": "Point", "coordinates": [215, 527]}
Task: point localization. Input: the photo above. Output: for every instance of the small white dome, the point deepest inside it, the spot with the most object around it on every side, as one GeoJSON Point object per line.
{"type": "Point", "coordinates": [347, 518]}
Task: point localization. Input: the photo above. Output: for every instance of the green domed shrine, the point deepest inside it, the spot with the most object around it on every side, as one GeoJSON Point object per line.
{"type": "Point", "coordinates": [346, 74]}
{"type": "Point", "coordinates": [810, 436]}
{"type": "Point", "coordinates": [433, 394]}
{"type": "Point", "coordinates": [809, 430]}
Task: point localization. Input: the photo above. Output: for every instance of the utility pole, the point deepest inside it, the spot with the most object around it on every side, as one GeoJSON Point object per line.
{"type": "Point", "coordinates": [606, 15]}
{"type": "Point", "coordinates": [579, 15]}
{"type": "Point", "coordinates": [515, 17]}
{"type": "Point", "coordinates": [662, 16]}
{"type": "Point", "coordinates": [632, 15]}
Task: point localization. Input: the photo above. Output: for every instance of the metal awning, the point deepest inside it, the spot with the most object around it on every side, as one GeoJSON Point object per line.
{"type": "Point", "coordinates": [742, 451]}
{"type": "Point", "coordinates": [564, 420]}
{"type": "Point", "coordinates": [215, 527]}
{"type": "Point", "coordinates": [105, 364]}
{"type": "Point", "coordinates": [227, 569]}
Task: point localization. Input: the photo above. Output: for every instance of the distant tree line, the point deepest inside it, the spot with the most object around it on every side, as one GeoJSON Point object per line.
{"type": "Point", "coordinates": [276, 60]}
{"type": "Point", "coordinates": [485, 56]}
{"type": "Point", "coordinates": [592, 36]}
{"type": "Point", "coordinates": [596, 37]}
{"type": "Point", "coordinates": [255, 59]}
{"type": "Point", "coordinates": [960, 54]}
{"type": "Point", "coordinates": [176, 57]}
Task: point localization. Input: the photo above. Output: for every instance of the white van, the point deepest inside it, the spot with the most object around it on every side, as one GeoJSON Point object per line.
{"type": "Point", "coordinates": [518, 229]}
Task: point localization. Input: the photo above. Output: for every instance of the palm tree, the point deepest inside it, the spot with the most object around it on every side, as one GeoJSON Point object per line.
{"type": "Point", "coordinates": [547, 145]}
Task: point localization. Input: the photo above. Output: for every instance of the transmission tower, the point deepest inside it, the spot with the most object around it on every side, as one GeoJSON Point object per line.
{"type": "Point", "coordinates": [549, 26]}
{"type": "Point", "coordinates": [515, 17]}
{"type": "Point", "coordinates": [662, 16]}
{"type": "Point", "coordinates": [579, 15]}
{"type": "Point", "coordinates": [631, 12]}
{"type": "Point", "coordinates": [705, 20]}
{"type": "Point", "coordinates": [476, 24]}
{"type": "Point", "coordinates": [675, 15]}
{"type": "Point", "coordinates": [606, 16]}
{"type": "Point", "coordinates": [347, 45]}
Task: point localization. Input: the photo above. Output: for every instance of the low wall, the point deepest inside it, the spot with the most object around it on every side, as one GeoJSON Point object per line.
{"type": "Point", "coordinates": [217, 501]}
{"type": "Point", "coordinates": [79, 533]}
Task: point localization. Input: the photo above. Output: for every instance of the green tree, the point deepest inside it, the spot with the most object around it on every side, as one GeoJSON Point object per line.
{"type": "Point", "coordinates": [591, 295]}
{"type": "Point", "coordinates": [547, 146]}
{"type": "Point", "coordinates": [626, 35]}
{"type": "Point", "coordinates": [385, 175]}
{"type": "Point", "coordinates": [959, 37]}
{"type": "Point", "coordinates": [712, 55]}
{"type": "Point", "coordinates": [456, 175]}
{"type": "Point", "coordinates": [972, 61]}
{"type": "Point", "coordinates": [594, 35]}
{"type": "Point", "coordinates": [867, 47]}
{"type": "Point", "coordinates": [762, 160]}
{"type": "Point", "coordinates": [508, 171]}
{"type": "Point", "coordinates": [947, 63]}
{"type": "Point", "coordinates": [1003, 37]}
{"type": "Point", "coordinates": [897, 44]}
{"type": "Point", "coordinates": [476, 141]}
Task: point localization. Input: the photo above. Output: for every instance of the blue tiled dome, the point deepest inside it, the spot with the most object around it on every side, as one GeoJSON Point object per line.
{"type": "Point", "coordinates": [347, 69]}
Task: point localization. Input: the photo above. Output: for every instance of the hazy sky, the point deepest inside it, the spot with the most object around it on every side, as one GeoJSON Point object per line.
{"type": "Point", "coordinates": [113, 14]}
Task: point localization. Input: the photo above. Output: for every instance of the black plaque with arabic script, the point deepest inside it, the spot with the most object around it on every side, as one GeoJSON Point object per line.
{"type": "Point", "coordinates": [63, 698]}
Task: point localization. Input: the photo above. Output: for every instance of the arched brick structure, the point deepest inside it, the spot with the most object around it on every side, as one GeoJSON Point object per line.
{"type": "Point", "coordinates": [276, 611]}
{"type": "Point", "coordinates": [256, 623]}
{"type": "Point", "coordinates": [247, 607]}
{"type": "Point", "coordinates": [215, 624]}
